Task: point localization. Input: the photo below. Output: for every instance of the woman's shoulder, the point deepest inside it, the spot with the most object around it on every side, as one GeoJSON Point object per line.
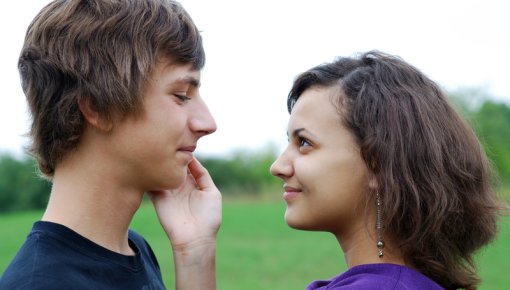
{"type": "Point", "coordinates": [377, 277]}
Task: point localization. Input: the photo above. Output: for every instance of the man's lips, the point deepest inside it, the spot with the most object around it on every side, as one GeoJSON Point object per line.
{"type": "Point", "coordinates": [290, 192]}
{"type": "Point", "coordinates": [187, 151]}
{"type": "Point", "coordinates": [190, 149]}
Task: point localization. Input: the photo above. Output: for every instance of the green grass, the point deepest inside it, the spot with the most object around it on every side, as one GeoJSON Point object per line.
{"type": "Point", "coordinates": [256, 249]}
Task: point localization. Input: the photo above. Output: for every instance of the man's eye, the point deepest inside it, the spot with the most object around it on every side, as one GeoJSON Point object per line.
{"type": "Point", "coordinates": [182, 97]}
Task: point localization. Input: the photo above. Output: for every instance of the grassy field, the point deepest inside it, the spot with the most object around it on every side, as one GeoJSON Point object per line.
{"type": "Point", "coordinates": [256, 250]}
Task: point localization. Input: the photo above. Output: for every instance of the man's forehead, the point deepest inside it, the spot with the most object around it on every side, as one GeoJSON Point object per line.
{"type": "Point", "coordinates": [178, 73]}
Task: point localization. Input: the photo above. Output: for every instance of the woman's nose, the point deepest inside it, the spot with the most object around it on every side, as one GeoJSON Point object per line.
{"type": "Point", "coordinates": [281, 167]}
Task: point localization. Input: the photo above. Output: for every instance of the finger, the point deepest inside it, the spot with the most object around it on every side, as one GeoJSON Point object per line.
{"type": "Point", "coordinates": [200, 174]}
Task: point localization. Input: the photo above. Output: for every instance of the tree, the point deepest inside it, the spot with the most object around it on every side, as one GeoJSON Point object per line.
{"type": "Point", "coordinates": [491, 121]}
{"type": "Point", "coordinates": [20, 186]}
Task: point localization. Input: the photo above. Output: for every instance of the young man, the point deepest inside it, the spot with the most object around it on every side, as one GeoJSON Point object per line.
{"type": "Point", "coordinates": [113, 90]}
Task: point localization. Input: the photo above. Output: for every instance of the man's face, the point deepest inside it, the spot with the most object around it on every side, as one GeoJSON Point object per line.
{"type": "Point", "coordinates": [154, 148]}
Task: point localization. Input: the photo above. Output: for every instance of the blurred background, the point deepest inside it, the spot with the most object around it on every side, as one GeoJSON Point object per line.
{"type": "Point", "coordinates": [254, 50]}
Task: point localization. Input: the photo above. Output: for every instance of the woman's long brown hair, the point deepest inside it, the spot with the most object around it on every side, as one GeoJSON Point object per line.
{"type": "Point", "coordinates": [433, 177]}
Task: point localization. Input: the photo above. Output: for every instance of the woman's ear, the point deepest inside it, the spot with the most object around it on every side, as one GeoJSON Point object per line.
{"type": "Point", "coordinates": [372, 183]}
{"type": "Point", "coordinates": [93, 117]}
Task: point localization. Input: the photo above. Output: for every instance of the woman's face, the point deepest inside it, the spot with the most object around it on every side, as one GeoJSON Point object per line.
{"type": "Point", "coordinates": [324, 176]}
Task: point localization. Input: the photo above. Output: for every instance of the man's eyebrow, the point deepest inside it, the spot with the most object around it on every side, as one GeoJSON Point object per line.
{"type": "Point", "coordinates": [193, 81]}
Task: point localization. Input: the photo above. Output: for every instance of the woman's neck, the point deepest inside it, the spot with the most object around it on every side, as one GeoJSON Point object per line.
{"type": "Point", "coordinates": [360, 247]}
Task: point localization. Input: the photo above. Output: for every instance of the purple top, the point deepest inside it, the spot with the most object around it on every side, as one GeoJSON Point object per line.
{"type": "Point", "coordinates": [377, 277]}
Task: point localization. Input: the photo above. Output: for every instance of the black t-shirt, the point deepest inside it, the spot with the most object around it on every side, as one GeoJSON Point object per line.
{"type": "Point", "coordinates": [55, 257]}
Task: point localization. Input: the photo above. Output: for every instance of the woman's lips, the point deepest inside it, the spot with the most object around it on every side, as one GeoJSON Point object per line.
{"type": "Point", "coordinates": [290, 192]}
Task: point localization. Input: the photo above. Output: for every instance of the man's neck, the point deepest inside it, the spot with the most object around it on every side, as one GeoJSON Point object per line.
{"type": "Point", "coordinates": [94, 203]}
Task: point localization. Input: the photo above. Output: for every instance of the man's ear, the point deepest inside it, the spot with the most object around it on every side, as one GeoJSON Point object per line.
{"type": "Point", "coordinates": [92, 116]}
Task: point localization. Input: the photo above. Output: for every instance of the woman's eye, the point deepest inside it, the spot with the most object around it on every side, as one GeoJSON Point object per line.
{"type": "Point", "coordinates": [303, 142]}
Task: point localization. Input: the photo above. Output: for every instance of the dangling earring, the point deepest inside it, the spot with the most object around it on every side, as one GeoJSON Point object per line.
{"type": "Point", "coordinates": [379, 226]}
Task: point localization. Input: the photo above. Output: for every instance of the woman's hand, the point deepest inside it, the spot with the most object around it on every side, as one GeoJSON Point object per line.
{"type": "Point", "coordinates": [190, 214]}
{"type": "Point", "coordinates": [191, 217]}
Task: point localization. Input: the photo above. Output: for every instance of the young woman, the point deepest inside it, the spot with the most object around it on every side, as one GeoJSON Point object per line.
{"type": "Point", "coordinates": [379, 158]}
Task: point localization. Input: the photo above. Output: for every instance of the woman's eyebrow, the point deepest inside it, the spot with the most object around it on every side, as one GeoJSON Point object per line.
{"type": "Point", "coordinates": [296, 132]}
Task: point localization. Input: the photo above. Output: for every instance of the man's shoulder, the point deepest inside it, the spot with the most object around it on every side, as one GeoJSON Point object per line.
{"type": "Point", "coordinates": [63, 260]}
{"type": "Point", "coordinates": [19, 280]}
{"type": "Point", "coordinates": [135, 236]}
{"type": "Point", "coordinates": [35, 265]}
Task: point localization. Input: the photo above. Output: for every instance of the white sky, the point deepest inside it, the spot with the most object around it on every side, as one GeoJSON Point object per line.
{"type": "Point", "coordinates": [256, 48]}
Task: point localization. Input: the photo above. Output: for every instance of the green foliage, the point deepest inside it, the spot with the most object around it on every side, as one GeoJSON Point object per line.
{"type": "Point", "coordinates": [469, 100]}
{"type": "Point", "coordinates": [491, 121]}
{"type": "Point", "coordinates": [20, 185]}
{"type": "Point", "coordinates": [245, 172]}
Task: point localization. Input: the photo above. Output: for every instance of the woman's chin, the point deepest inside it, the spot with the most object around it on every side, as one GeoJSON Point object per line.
{"type": "Point", "coordinates": [294, 222]}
